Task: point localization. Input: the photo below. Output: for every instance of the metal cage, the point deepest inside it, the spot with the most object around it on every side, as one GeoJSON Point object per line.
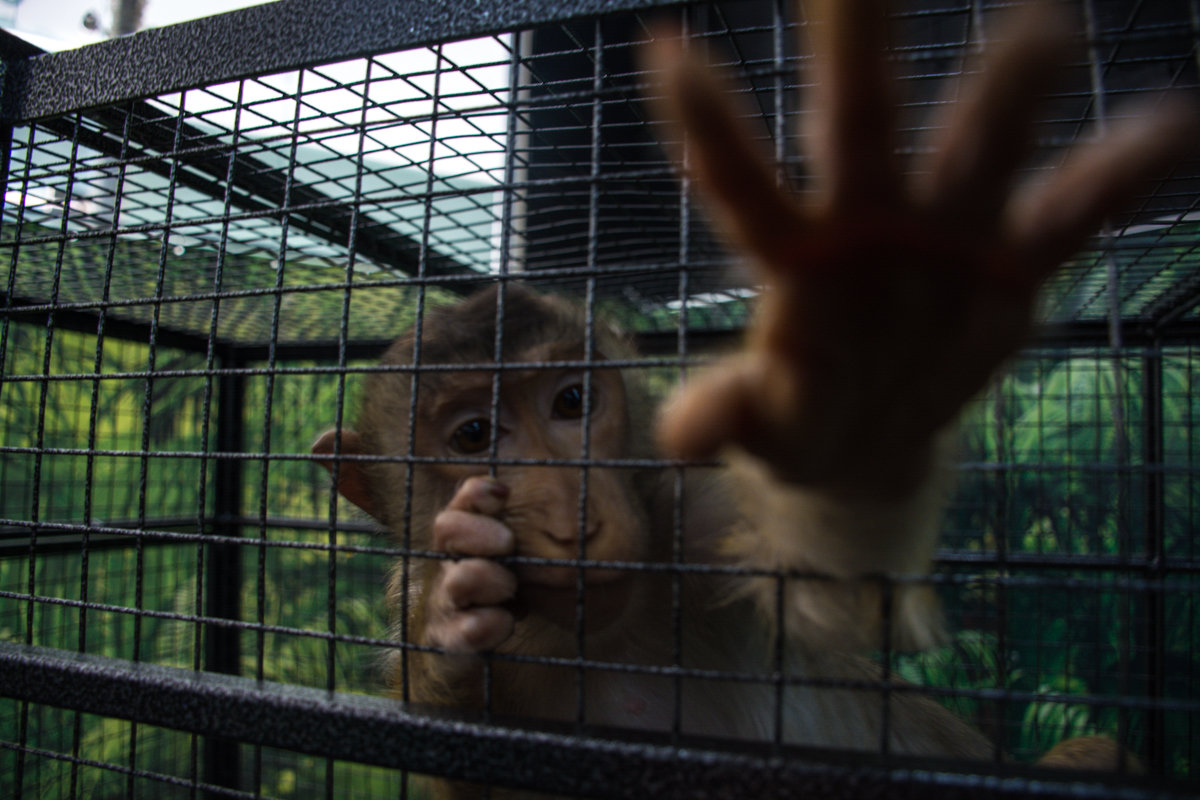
{"type": "Point", "coordinates": [210, 232]}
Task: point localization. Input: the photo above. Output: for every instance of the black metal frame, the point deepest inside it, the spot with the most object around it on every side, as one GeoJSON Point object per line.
{"type": "Point", "coordinates": [283, 35]}
{"type": "Point", "coordinates": [298, 33]}
{"type": "Point", "coordinates": [561, 759]}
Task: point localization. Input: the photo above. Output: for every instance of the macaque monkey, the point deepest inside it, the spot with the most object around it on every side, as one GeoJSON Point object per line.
{"type": "Point", "coordinates": [1092, 753]}
{"type": "Point", "coordinates": [888, 302]}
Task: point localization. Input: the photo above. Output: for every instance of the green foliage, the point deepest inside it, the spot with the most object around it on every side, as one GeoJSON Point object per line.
{"type": "Point", "coordinates": [970, 661]}
{"type": "Point", "coordinates": [36, 413]}
{"type": "Point", "coordinates": [295, 585]}
{"type": "Point", "coordinates": [1047, 722]}
{"type": "Point", "coordinates": [1069, 431]}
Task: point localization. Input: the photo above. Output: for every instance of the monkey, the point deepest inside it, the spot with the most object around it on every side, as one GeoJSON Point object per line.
{"type": "Point", "coordinates": [1092, 753]}
{"type": "Point", "coordinates": [457, 609]}
{"type": "Point", "coordinates": [887, 303]}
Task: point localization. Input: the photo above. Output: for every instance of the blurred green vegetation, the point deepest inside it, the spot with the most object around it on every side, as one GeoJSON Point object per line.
{"type": "Point", "coordinates": [1055, 465]}
{"type": "Point", "coordinates": [160, 490]}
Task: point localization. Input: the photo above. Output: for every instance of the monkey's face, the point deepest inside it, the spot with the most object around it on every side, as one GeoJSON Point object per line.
{"type": "Point", "coordinates": [544, 419]}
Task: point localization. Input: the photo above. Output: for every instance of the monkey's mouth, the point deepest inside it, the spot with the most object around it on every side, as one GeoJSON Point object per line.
{"type": "Point", "coordinates": [605, 597]}
{"type": "Point", "coordinates": [568, 578]}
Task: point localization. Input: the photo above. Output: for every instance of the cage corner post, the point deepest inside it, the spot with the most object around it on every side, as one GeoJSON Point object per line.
{"type": "Point", "coordinates": [222, 649]}
{"type": "Point", "coordinates": [1154, 624]}
{"type": "Point", "coordinates": [10, 50]}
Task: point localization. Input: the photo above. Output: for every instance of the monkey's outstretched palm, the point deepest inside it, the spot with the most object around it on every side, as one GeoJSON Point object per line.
{"type": "Point", "coordinates": [889, 301]}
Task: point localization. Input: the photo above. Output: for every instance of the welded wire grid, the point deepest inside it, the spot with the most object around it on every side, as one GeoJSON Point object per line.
{"type": "Point", "coordinates": [197, 280]}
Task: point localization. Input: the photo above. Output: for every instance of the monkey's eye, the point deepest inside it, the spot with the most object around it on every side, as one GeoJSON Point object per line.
{"type": "Point", "coordinates": [472, 437]}
{"type": "Point", "coordinates": [569, 402]}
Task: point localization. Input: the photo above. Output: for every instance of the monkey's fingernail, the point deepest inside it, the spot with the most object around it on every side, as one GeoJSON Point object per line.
{"type": "Point", "coordinates": [498, 490]}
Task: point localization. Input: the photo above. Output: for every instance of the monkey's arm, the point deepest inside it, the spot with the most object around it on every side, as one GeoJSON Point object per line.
{"type": "Point", "coordinates": [888, 301]}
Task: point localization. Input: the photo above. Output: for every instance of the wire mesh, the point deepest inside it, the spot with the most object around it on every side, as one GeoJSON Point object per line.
{"type": "Point", "coordinates": [199, 279]}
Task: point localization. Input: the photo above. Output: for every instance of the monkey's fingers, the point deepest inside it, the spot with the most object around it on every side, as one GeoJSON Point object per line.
{"type": "Point", "coordinates": [465, 533]}
{"type": "Point", "coordinates": [711, 410]}
{"type": "Point", "coordinates": [465, 606]}
{"type": "Point", "coordinates": [1048, 223]}
{"type": "Point", "coordinates": [736, 178]}
{"type": "Point", "coordinates": [474, 631]}
{"type": "Point", "coordinates": [476, 582]}
{"type": "Point", "coordinates": [481, 495]}
{"type": "Point", "coordinates": [853, 106]}
{"type": "Point", "coordinates": [467, 525]}
{"type": "Point", "coordinates": [989, 133]}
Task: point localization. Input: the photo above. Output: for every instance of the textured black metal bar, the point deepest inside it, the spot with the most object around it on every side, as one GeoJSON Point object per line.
{"type": "Point", "coordinates": [263, 39]}
{"type": "Point", "coordinates": [6, 140]}
{"type": "Point", "coordinates": [1174, 304]}
{"type": "Point", "coordinates": [665, 343]}
{"type": "Point", "coordinates": [223, 578]}
{"type": "Point", "coordinates": [372, 730]}
{"type": "Point", "coordinates": [1133, 334]}
{"type": "Point", "coordinates": [13, 48]}
{"type": "Point", "coordinates": [114, 327]}
{"type": "Point", "coordinates": [1075, 334]}
{"type": "Point", "coordinates": [325, 350]}
{"type": "Point", "coordinates": [15, 544]}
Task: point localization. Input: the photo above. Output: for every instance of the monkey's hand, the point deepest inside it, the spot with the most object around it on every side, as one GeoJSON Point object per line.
{"type": "Point", "coordinates": [464, 613]}
{"type": "Point", "coordinates": [889, 300]}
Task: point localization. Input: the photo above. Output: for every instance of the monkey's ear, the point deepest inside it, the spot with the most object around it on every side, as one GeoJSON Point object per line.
{"type": "Point", "coordinates": [352, 479]}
